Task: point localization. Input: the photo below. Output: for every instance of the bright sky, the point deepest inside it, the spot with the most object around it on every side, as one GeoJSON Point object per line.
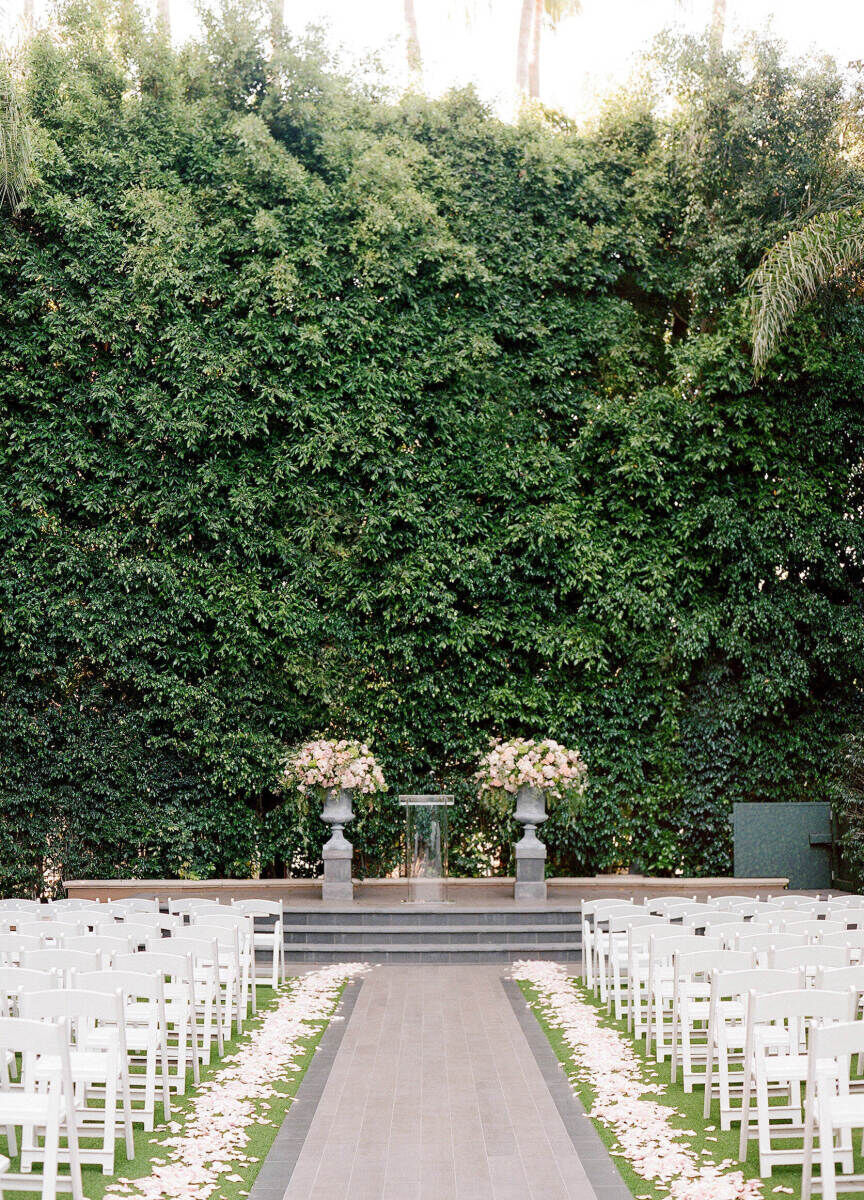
{"type": "Point", "coordinates": [586, 53]}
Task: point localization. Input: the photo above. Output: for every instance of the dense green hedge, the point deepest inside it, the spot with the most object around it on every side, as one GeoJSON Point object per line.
{"type": "Point", "coordinates": [327, 411]}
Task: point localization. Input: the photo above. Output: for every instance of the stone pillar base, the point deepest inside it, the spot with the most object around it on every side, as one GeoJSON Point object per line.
{"type": "Point", "coordinates": [337, 883]}
{"type": "Point", "coordinates": [530, 867]}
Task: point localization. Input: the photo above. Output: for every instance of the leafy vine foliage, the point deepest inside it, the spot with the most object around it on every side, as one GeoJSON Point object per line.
{"type": "Point", "coordinates": [328, 412]}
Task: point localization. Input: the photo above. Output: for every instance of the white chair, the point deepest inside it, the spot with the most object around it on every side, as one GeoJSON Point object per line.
{"type": "Point", "coordinates": [791, 900]}
{"type": "Point", "coordinates": [847, 900]}
{"type": "Point", "coordinates": [272, 936]}
{"type": "Point", "coordinates": [73, 904]}
{"type": "Point", "coordinates": [187, 906]}
{"type": "Point", "coordinates": [99, 1066]}
{"type": "Point", "coordinates": [772, 918]}
{"type": "Point", "coordinates": [774, 1057]}
{"type": "Point", "coordinates": [849, 917]}
{"type": "Point", "coordinates": [691, 1008]}
{"type": "Point", "coordinates": [146, 1037]}
{"type": "Point", "coordinates": [712, 921]}
{"type": "Point", "coordinates": [743, 906]}
{"type": "Point", "coordinates": [145, 937]}
{"type": "Point", "coordinates": [178, 982]}
{"type": "Point", "coordinates": [49, 1106]}
{"type": "Point", "coordinates": [233, 975]}
{"type": "Point", "coordinates": [162, 924]}
{"type": "Point", "coordinates": [612, 950]}
{"type": "Point", "coordinates": [209, 1021]}
{"type": "Point", "coordinates": [13, 905]}
{"type": "Point", "coordinates": [662, 949]}
{"type": "Point", "coordinates": [673, 908]}
{"type": "Point", "coordinates": [51, 932]}
{"type": "Point", "coordinates": [638, 946]}
{"type": "Point", "coordinates": [727, 1032]}
{"type": "Point", "coordinates": [593, 913]}
{"type": "Point", "coordinates": [831, 1110]}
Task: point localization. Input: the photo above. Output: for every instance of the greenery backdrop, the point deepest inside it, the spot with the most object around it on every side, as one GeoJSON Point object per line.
{"type": "Point", "coordinates": [322, 409]}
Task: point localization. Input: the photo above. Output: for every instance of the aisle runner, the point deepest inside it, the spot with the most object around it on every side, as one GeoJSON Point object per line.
{"type": "Point", "coordinates": [607, 1063]}
{"type": "Point", "coordinates": [210, 1141]}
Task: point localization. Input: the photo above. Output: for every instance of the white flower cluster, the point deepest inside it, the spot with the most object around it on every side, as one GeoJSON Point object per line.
{"type": "Point", "coordinates": [510, 765]}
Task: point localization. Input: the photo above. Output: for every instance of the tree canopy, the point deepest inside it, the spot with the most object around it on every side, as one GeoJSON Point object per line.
{"type": "Point", "coordinates": [329, 411]}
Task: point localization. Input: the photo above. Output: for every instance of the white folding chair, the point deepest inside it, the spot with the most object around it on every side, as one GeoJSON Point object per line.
{"type": "Point", "coordinates": [49, 1106]}
{"type": "Point", "coordinates": [613, 950]}
{"type": "Point", "coordinates": [51, 932]}
{"type": "Point", "coordinates": [727, 1032]}
{"type": "Point", "coordinates": [209, 1019]}
{"type": "Point", "coordinates": [106, 947]}
{"type": "Point", "coordinates": [233, 975]}
{"type": "Point", "coordinates": [99, 1066]}
{"type": "Point", "coordinates": [162, 924]}
{"type": "Point", "coordinates": [14, 981]}
{"type": "Point", "coordinates": [743, 906]}
{"type": "Point", "coordinates": [146, 1037]}
{"type": "Point", "coordinates": [185, 907]}
{"type": "Point", "coordinates": [178, 982]}
{"type": "Point", "coordinates": [272, 935]}
{"type": "Point", "coordinates": [229, 918]}
{"type": "Point", "coordinates": [832, 1111]}
{"type": "Point", "coordinates": [849, 917]}
{"type": "Point", "coordinates": [73, 904]}
{"type": "Point", "coordinates": [791, 900]}
{"type": "Point", "coordinates": [593, 913]}
{"type": "Point", "coordinates": [770, 1063]}
{"type": "Point", "coordinates": [638, 946]}
{"type": "Point", "coordinates": [662, 949]}
{"type": "Point", "coordinates": [852, 939]}
{"type": "Point", "coordinates": [691, 1007]}
{"type": "Point", "coordinates": [673, 907]}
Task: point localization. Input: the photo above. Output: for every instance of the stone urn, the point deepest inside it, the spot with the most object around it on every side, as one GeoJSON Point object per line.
{"type": "Point", "coordinates": [337, 811]}
{"type": "Point", "coordinates": [530, 851]}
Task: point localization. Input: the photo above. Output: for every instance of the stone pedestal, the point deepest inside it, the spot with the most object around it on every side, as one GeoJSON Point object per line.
{"type": "Point", "coordinates": [530, 851]}
{"type": "Point", "coordinates": [338, 851]}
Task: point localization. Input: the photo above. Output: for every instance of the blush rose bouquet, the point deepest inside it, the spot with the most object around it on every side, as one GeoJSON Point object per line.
{"type": "Point", "coordinates": [528, 762]}
{"type": "Point", "coordinates": [328, 763]}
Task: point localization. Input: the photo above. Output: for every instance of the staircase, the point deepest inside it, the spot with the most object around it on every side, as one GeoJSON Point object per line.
{"type": "Point", "coordinates": [431, 934]}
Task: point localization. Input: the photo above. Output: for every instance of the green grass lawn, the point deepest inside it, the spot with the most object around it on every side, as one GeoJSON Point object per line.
{"type": "Point", "coordinates": [148, 1146]}
{"type": "Point", "coordinates": [687, 1115]}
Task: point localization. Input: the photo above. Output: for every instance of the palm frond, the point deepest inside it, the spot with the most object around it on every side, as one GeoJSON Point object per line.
{"type": "Point", "coordinates": [794, 270]}
{"type": "Point", "coordinates": [16, 148]}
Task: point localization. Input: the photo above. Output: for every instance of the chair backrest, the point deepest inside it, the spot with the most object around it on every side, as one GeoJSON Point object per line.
{"type": "Point", "coordinates": [135, 985]}
{"type": "Point", "coordinates": [20, 1036]}
{"type": "Point", "coordinates": [703, 962]}
{"type": "Point", "coordinates": [13, 945]}
{"type": "Point", "coordinates": [788, 957]}
{"type": "Point", "coordinates": [664, 946]}
{"type": "Point", "coordinates": [600, 909]}
{"type": "Point", "coordinates": [167, 966]}
{"type": "Point", "coordinates": [849, 901]}
{"type": "Point", "coordinates": [140, 935]}
{"type": "Point", "coordinates": [73, 903]}
{"type": "Point", "coordinates": [813, 928]}
{"type": "Point", "coordinates": [14, 981]}
{"type": "Point", "coordinates": [192, 904]}
{"type": "Point", "coordinates": [13, 905]}
{"type": "Point", "coordinates": [710, 920]}
{"type": "Point", "coordinates": [840, 979]}
{"type": "Point", "coordinates": [49, 929]}
{"type": "Point", "coordinates": [201, 948]}
{"type": "Point", "coordinates": [790, 901]}
{"type": "Point", "coordinates": [839, 1040]}
{"type": "Point", "coordinates": [98, 944]}
{"type": "Point", "coordinates": [621, 922]}
{"type": "Point", "coordinates": [762, 980]}
{"type": "Point", "coordinates": [770, 918]}
{"type": "Point", "coordinates": [133, 904]}
{"type": "Point", "coordinates": [260, 908]}
{"type": "Point", "coordinates": [764, 941]}
{"type": "Point", "coordinates": [639, 936]}
{"type": "Point", "coordinates": [849, 917]}
{"type": "Point", "coordinates": [853, 938]}
{"type": "Point", "coordinates": [226, 936]}
{"type": "Point", "coordinates": [60, 960]}
{"type": "Point", "coordinates": [801, 1003]}
{"type": "Point", "coordinates": [72, 1004]}
{"type": "Point", "coordinates": [673, 909]}
{"type": "Point", "coordinates": [651, 901]}
{"type": "Point", "coordinates": [244, 923]}
{"type": "Point", "coordinates": [158, 922]}
{"type": "Point", "coordinates": [745, 905]}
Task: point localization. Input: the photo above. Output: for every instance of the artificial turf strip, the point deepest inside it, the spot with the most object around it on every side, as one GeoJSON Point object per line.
{"type": "Point", "coordinates": [710, 1145]}
{"type": "Point", "coordinates": [148, 1146]}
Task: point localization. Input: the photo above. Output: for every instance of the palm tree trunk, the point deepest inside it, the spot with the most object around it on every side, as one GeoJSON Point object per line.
{"type": "Point", "coordinates": [534, 64]}
{"type": "Point", "coordinates": [412, 37]}
{"type": "Point", "coordinates": [718, 26]}
{"type": "Point", "coordinates": [523, 47]}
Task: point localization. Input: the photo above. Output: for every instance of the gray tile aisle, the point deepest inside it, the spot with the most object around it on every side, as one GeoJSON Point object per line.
{"type": "Point", "coordinates": [435, 1094]}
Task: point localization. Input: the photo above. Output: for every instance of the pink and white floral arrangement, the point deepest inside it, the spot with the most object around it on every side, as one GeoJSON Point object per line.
{"type": "Point", "coordinates": [521, 762]}
{"type": "Point", "coordinates": [328, 763]}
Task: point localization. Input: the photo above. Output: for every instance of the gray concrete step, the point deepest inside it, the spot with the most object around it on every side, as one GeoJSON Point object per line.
{"type": "Point", "coordinates": [432, 934]}
{"type": "Point", "coordinates": [451, 952]}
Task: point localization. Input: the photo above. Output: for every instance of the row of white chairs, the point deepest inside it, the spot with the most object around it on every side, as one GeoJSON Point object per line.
{"type": "Point", "coordinates": [103, 1011]}
{"type": "Point", "coordinates": [757, 1003]}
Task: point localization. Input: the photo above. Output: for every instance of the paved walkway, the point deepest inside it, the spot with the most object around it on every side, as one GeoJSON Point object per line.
{"type": "Point", "coordinates": [435, 1094]}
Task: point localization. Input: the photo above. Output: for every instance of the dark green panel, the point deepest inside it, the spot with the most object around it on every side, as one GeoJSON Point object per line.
{"type": "Point", "coordinates": [775, 839]}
